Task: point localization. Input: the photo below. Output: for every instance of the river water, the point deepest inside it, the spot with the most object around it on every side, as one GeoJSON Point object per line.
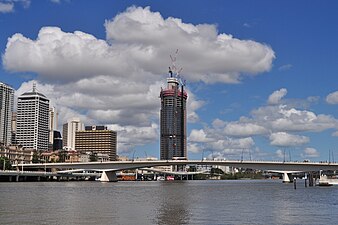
{"type": "Point", "coordinates": [167, 202]}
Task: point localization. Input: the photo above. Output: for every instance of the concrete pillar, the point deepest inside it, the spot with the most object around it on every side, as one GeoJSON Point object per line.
{"type": "Point", "coordinates": [108, 176]}
{"type": "Point", "coordinates": [10, 178]}
{"type": "Point", "coordinates": [17, 178]}
{"type": "Point", "coordinates": [286, 178]}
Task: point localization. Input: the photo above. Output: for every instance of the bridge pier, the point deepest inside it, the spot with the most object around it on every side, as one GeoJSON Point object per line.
{"type": "Point", "coordinates": [108, 176]}
{"type": "Point", "coordinates": [286, 177]}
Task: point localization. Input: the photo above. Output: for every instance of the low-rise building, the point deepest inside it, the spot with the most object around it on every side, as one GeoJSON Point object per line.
{"type": "Point", "coordinates": [17, 154]}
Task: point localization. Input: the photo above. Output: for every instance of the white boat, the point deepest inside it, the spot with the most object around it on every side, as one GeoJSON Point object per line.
{"type": "Point", "coordinates": [327, 181]}
{"type": "Point", "coordinates": [160, 178]}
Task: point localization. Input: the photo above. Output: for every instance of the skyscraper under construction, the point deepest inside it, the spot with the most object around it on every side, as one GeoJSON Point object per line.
{"type": "Point", "coordinates": [173, 119]}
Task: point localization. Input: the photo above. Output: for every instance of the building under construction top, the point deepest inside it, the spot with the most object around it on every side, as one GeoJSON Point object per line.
{"type": "Point", "coordinates": [173, 119]}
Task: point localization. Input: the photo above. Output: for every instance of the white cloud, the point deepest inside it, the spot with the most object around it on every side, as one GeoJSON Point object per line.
{"type": "Point", "coordinates": [131, 136]}
{"type": "Point", "coordinates": [332, 98]}
{"type": "Point", "coordinates": [310, 153]}
{"type": "Point", "coordinates": [284, 139]}
{"type": "Point", "coordinates": [276, 96]}
{"type": "Point", "coordinates": [283, 118]}
{"type": "Point", "coordinates": [194, 147]}
{"type": "Point", "coordinates": [335, 134]}
{"type": "Point", "coordinates": [213, 140]}
{"type": "Point", "coordinates": [138, 42]}
{"type": "Point", "coordinates": [6, 7]}
{"type": "Point", "coordinates": [279, 154]}
{"type": "Point", "coordinates": [243, 129]}
{"type": "Point", "coordinates": [285, 67]}
{"type": "Point", "coordinates": [198, 136]}
{"type": "Point", "coordinates": [218, 123]}
{"type": "Point", "coordinates": [117, 81]}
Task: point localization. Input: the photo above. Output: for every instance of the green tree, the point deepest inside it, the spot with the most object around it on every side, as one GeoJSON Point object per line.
{"type": "Point", "coordinates": [216, 171]}
{"type": "Point", "coordinates": [93, 157]}
{"type": "Point", "coordinates": [36, 157]}
{"type": "Point", "coordinates": [5, 163]}
{"type": "Point", "coordinates": [62, 156]}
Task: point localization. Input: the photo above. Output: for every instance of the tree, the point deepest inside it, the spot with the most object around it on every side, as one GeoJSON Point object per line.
{"type": "Point", "coordinates": [36, 157]}
{"type": "Point", "coordinates": [216, 171]}
{"type": "Point", "coordinates": [62, 156]}
{"type": "Point", "coordinates": [5, 163]}
{"type": "Point", "coordinates": [93, 157]}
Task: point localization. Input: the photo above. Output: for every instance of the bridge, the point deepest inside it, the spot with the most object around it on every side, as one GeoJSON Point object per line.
{"type": "Point", "coordinates": [110, 168]}
{"type": "Point", "coordinates": [38, 174]}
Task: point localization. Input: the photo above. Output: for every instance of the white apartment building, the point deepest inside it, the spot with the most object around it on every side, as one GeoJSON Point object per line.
{"type": "Point", "coordinates": [6, 110]}
{"type": "Point", "coordinates": [33, 120]}
{"type": "Point", "coordinates": [68, 132]}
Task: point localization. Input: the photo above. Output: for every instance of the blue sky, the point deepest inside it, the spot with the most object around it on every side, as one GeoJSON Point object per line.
{"type": "Point", "coordinates": [261, 75]}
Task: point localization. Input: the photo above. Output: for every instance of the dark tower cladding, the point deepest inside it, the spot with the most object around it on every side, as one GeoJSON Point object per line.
{"type": "Point", "coordinates": [173, 119]}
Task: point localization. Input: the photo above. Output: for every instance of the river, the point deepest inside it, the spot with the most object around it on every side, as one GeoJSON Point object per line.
{"type": "Point", "coordinates": [167, 202]}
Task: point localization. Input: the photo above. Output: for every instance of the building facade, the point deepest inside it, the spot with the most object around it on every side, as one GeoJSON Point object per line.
{"type": "Point", "coordinates": [68, 132]}
{"type": "Point", "coordinates": [33, 120]}
{"type": "Point", "coordinates": [173, 138]}
{"type": "Point", "coordinates": [13, 131]}
{"type": "Point", "coordinates": [53, 122]}
{"type": "Point", "coordinates": [6, 110]}
{"type": "Point", "coordinates": [97, 139]}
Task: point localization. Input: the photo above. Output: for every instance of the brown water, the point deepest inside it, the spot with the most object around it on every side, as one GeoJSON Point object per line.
{"type": "Point", "coordinates": [178, 202]}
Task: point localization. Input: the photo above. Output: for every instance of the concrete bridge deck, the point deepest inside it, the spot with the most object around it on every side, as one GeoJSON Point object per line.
{"type": "Point", "coordinates": [123, 165]}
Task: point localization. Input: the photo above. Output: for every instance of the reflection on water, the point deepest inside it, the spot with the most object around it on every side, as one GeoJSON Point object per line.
{"type": "Point", "coordinates": [175, 203]}
{"type": "Point", "coordinates": [167, 203]}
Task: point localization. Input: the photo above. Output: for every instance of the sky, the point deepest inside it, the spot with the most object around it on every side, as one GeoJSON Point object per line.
{"type": "Point", "coordinates": [262, 76]}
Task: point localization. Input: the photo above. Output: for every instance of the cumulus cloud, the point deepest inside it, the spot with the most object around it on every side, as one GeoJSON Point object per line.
{"type": "Point", "coordinates": [198, 136]}
{"type": "Point", "coordinates": [310, 153]}
{"type": "Point", "coordinates": [6, 7]}
{"type": "Point", "coordinates": [212, 139]}
{"type": "Point", "coordinates": [279, 154]}
{"type": "Point", "coordinates": [284, 118]}
{"type": "Point", "coordinates": [276, 96]}
{"type": "Point", "coordinates": [117, 81]}
{"type": "Point", "coordinates": [335, 134]}
{"type": "Point", "coordinates": [138, 40]}
{"type": "Point", "coordinates": [285, 67]}
{"type": "Point", "coordinates": [243, 129]}
{"type": "Point", "coordinates": [332, 98]}
{"type": "Point", "coordinates": [284, 139]}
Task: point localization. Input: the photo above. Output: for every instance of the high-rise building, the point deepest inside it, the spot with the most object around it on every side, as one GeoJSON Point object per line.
{"type": "Point", "coordinates": [53, 122]}
{"type": "Point", "coordinates": [68, 132]}
{"type": "Point", "coordinates": [33, 120]}
{"type": "Point", "coordinates": [13, 131]}
{"type": "Point", "coordinates": [6, 110]}
{"type": "Point", "coordinates": [97, 139]}
{"type": "Point", "coordinates": [57, 142]}
{"type": "Point", "coordinates": [173, 120]}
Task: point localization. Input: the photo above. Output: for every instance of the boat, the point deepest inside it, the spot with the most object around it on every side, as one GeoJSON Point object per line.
{"type": "Point", "coordinates": [324, 180]}
{"type": "Point", "coordinates": [160, 178]}
{"type": "Point", "coordinates": [170, 178]}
